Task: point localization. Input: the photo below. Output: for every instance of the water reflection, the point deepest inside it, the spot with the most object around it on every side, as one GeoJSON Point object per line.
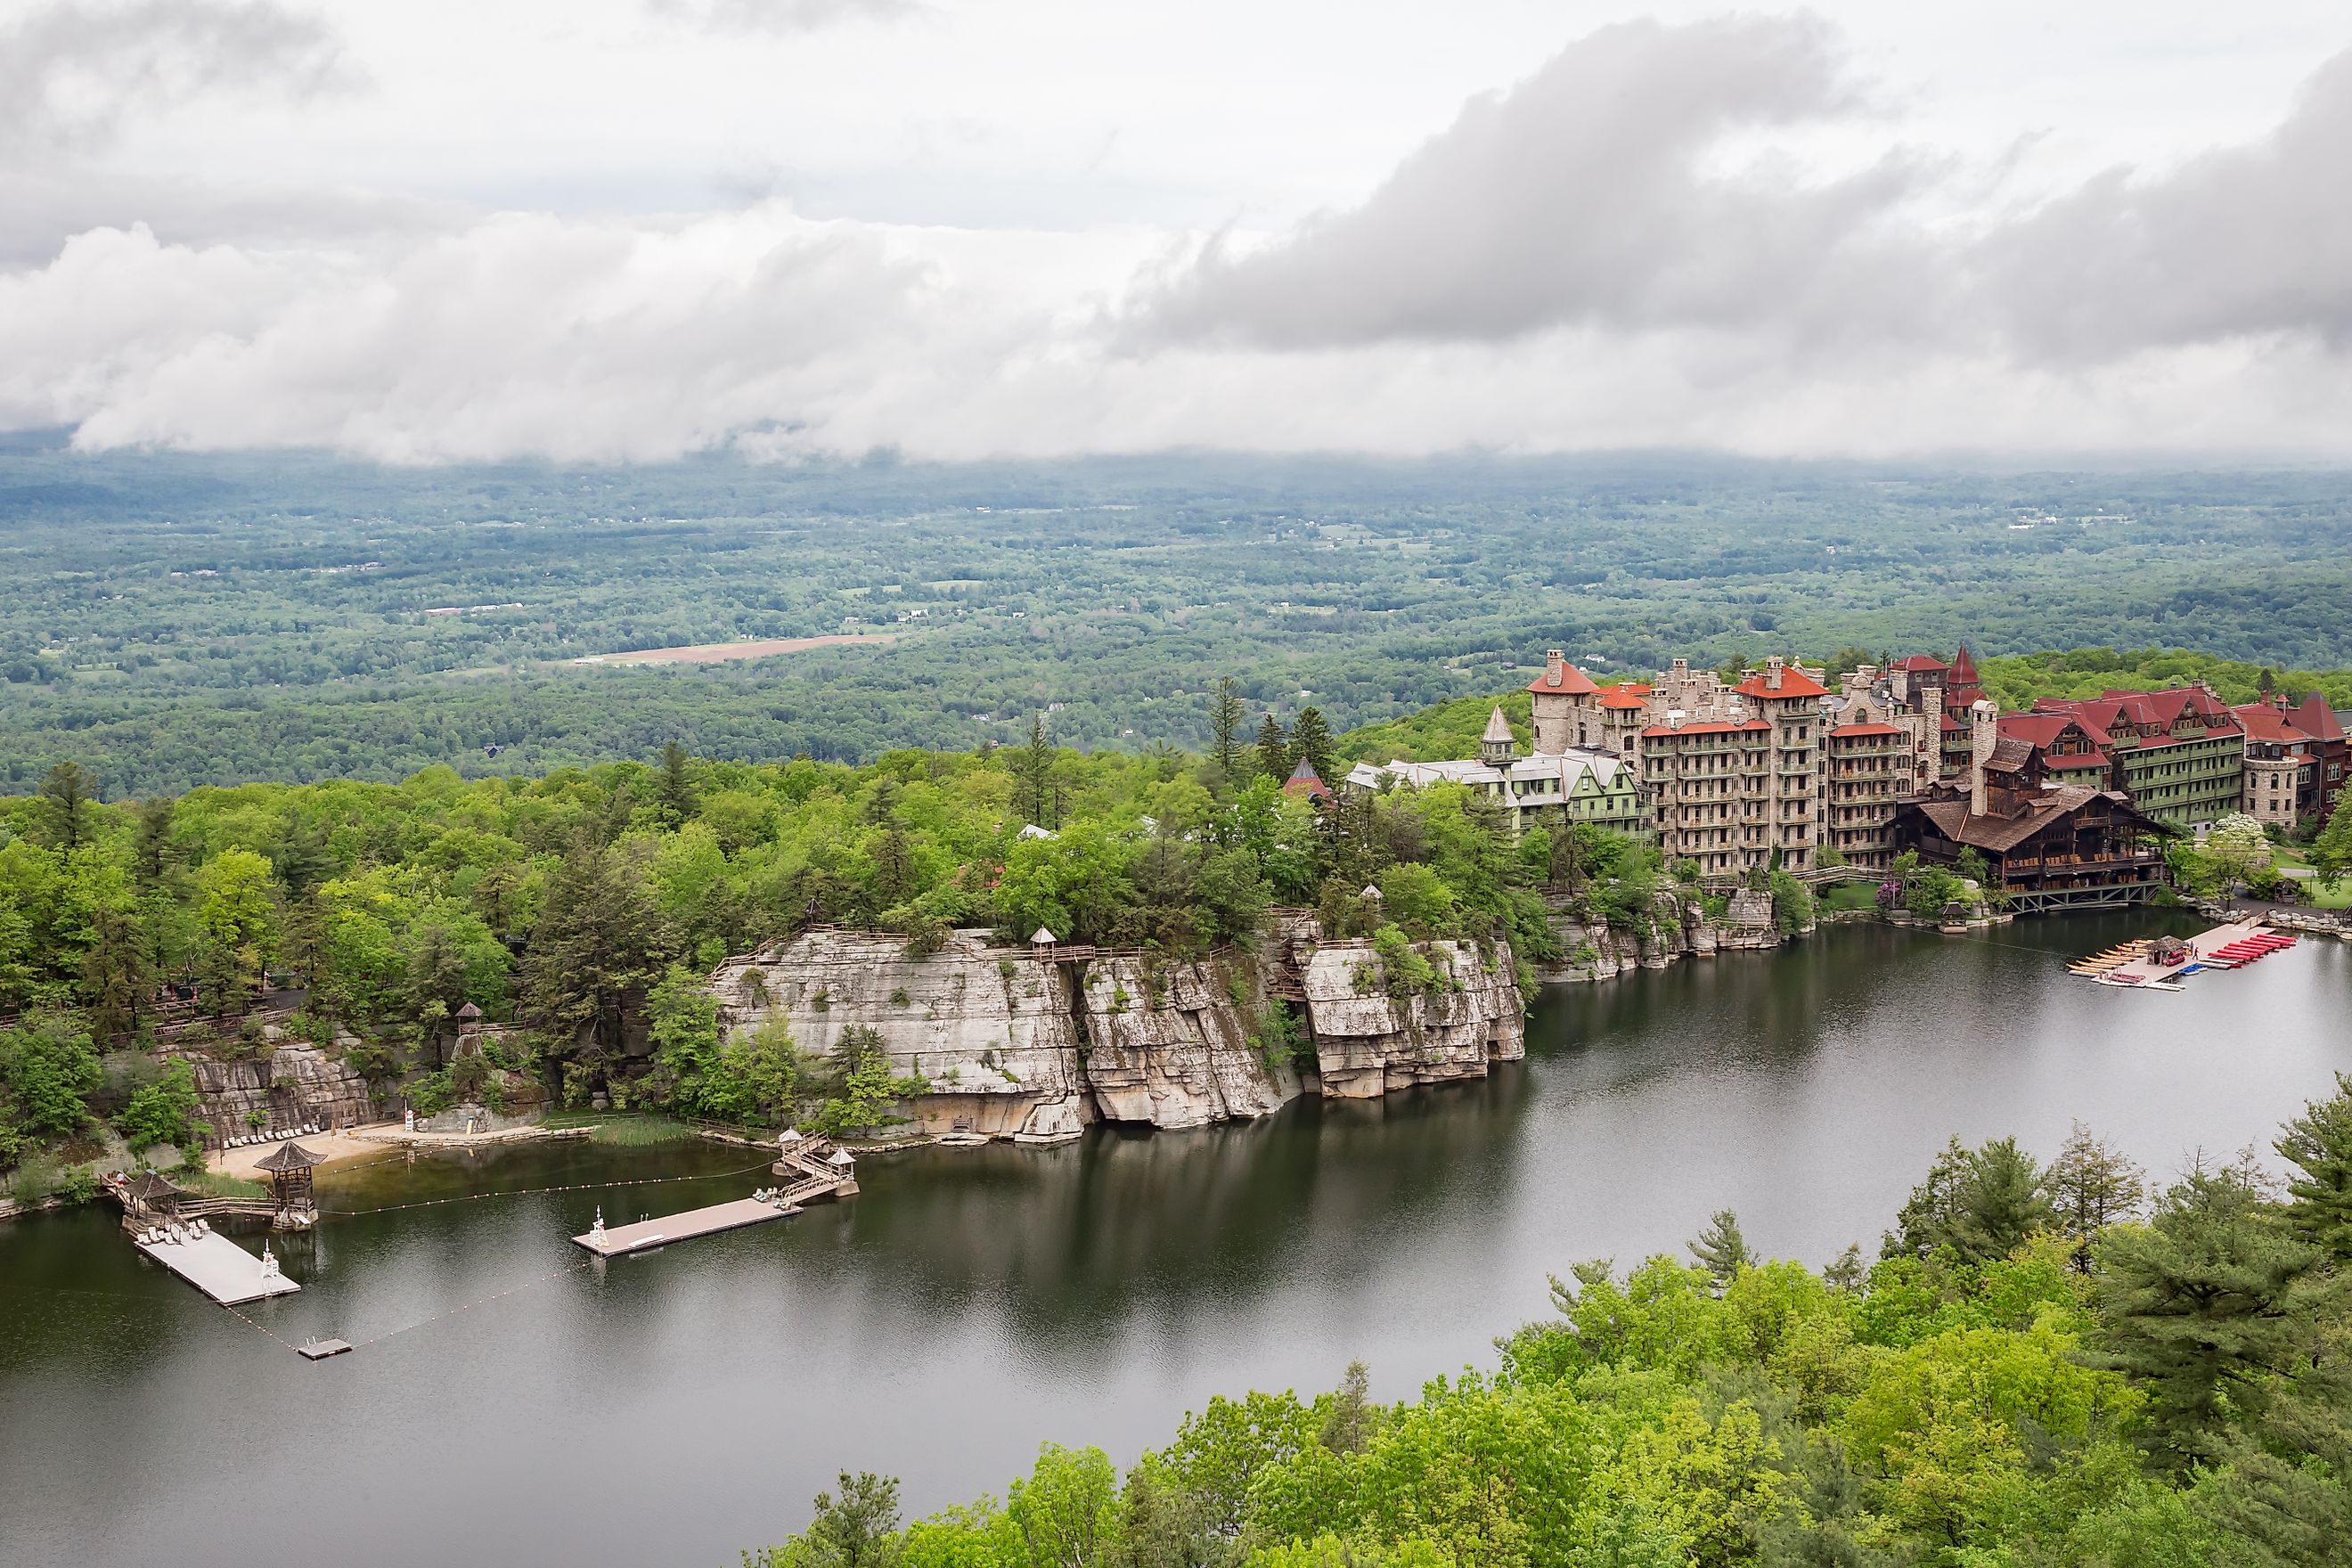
{"type": "Point", "coordinates": [676, 1406]}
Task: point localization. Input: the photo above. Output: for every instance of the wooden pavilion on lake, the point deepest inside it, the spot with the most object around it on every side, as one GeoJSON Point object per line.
{"type": "Point", "coordinates": [151, 1195]}
{"type": "Point", "coordinates": [288, 1166]}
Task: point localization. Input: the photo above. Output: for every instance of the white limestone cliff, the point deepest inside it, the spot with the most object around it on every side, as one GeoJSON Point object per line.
{"type": "Point", "coordinates": [1370, 1041]}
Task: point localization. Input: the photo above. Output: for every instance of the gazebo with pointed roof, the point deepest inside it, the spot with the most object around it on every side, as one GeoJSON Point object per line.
{"type": "Point", "coordinates": [153, 1192]}
{"type": "Point", "coordinates": [288, 1167]}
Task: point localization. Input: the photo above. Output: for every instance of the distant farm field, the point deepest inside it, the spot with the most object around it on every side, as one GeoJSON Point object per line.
{"type": "Point", "coordinates": [721, 652]}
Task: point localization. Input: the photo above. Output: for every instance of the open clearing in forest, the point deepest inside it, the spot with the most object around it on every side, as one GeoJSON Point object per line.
{"type": "Point", "coordinates": [719, 652]}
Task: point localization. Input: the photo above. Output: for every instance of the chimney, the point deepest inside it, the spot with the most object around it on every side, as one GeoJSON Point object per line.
{"type": "Point", "coordinates": [1773, 673]}
{"type": "Point", "coordinates": [1555, 666]}
{"type": "Point", "coordinates": [1984, 733]}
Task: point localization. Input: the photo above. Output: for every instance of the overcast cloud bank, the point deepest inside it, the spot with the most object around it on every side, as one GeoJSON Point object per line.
{"type": "Point", "coordinates": [1621, 249]}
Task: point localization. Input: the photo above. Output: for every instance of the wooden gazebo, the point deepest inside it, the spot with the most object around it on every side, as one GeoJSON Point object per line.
{"type": "Point", "coordinates": [288, 1169]}
{"type": "Point", "coordinates": [152, 1195]}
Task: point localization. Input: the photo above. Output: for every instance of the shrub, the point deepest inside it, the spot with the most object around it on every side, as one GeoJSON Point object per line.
{"type": "Point", "coordinates": [1404, 971]}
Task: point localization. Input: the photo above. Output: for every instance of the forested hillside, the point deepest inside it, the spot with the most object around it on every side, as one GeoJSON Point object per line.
{"type": "Point", "coordinates": [586, 907]}
{"type": "Point", "coordinates": [179, 620]}
{"type": "Point", "coordinates": [2047, 1367]}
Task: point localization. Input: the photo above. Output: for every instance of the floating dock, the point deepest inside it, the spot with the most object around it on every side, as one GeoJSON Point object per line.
{"type": "Point", "coordinates": [2223, 947]}
{"type": "Point", "coordinates": [220, 1269]}
{"type": "Point", "coordinates": [615, 1240]}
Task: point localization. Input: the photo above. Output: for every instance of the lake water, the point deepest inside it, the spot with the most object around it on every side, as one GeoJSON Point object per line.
{"type": "Point", "coordinates": [676, 1407]}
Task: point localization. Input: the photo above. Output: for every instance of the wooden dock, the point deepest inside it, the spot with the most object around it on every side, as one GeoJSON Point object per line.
{"type": "Point", "coordinates": [660, 1232]}
{"type": "Point", "coordinates": [2143, 971]}
{"type": "Point", "coordinates": [219, 1268]}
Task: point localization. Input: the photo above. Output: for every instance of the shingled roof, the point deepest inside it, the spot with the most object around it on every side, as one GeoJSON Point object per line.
{"type": "Point", "coordinates": [287, 1156]}
{"type": "Point", "coordinates": [2002, 834]}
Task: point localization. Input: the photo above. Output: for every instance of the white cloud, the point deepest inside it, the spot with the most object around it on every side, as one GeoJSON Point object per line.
{"type": "Point", "coordinates": [1637, 245]}
{"type": "Point", "coordinates": [72, 73]}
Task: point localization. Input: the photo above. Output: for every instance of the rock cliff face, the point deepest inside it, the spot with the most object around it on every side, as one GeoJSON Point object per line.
{"type": "Point", "coordinates": [292, 1085]}
{"type": "Point", "coordinates": [1169, 1045]}
{"type": "Point", "coordinates": [1017, 1044]}
{"type": "Point", "coordinates": [992, 1029]}
{"type": "Point", "coordinates": [1594, 950]}
{"type": "Point", "coordinates": [1368, 1042]}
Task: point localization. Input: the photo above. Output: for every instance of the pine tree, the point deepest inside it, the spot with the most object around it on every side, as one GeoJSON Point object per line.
{"type": "Point", "coordinates": [154, 855]}
{"type": "Point", "coordinates": [676, 791]}
{"type": "Point", "coordinates": [1273, 750]}
{"type": "Point", "coordinates": [2319, 1145]}
{"type": "Point", "coordinates": [1034, 768]}
{"type": "Point", "coordinates": [1721, 1250]}
{"type": "Point", "coordinates": [2092, 1186]}
{"type": "Point", "coordinates": [2201, 1304]}
{"type": "Point", "coordinates": [1980, 1203]}
{"type": "Point", "coordinates": [1310, 741]}
{"type": "Point", "coordinates": [1225, 714]}
{"type": "Point", "coordinates": [67, 793]}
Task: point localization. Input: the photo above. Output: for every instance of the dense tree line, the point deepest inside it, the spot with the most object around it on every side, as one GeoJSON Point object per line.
{"type": "Point", "coordinates": [584, 907]}
{"type": "Point", "coordinates": [2047, 1367]}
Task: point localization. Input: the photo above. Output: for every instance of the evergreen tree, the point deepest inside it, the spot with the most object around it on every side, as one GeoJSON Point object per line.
{"type": "Point", "coordinates": [1034, 769]}
{"type": "Point", "coordinates": [1310, 741]}
{"type": "Point", "coordinates": [117, 972]}
{"type": "Point", "coordinates": [676, 790]}
{"type": "Point", "coordinates": [1273, 750]}
{"type": "Point", "coordinates": [1225, 715]}
{"type": "Point", "coordinates": [67, 795]}
{"type": "Point", "coordinates": [599, 939]}
{"type": "Point", "coordinates": [2319, 1145]}
{"type": "Point", "coordinates": [154, 855]}
{"type": "Point", "coordinates": [1721, 1250]}
{"type": "Point", "coordinates": [2092, 1186]}
{"type": "Point", "coordinates": [2201, 1304]}
{"type": "Point", "coordinates": [1982, 1203]}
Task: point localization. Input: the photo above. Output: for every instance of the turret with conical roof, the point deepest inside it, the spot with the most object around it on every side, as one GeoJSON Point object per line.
{"type": "Point", "coordinates": [1495, 746]}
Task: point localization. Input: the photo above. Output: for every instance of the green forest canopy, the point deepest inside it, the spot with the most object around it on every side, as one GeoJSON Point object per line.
{"type": "Point", "coordinates": [2045, 1368]}
{"type": "Point", "coordinates": [177, 620]}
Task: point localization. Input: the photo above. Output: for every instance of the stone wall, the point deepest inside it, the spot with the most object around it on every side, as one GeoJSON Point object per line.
{"type": "Point", "coordinates": [1369, 1042]}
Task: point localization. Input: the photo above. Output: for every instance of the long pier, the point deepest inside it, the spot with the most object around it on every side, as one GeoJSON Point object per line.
{"type": "Point", "coordinates": [647, 1234]}
{"type": "Point", "coordinates": [816, 1174]}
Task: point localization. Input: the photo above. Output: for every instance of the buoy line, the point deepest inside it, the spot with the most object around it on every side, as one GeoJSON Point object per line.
{"type": "Point", "coordinates": [532, 1192]}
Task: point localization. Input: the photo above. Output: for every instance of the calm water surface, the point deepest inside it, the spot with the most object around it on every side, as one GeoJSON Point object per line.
{"type": "Point", "coordinates": [673, 1408]}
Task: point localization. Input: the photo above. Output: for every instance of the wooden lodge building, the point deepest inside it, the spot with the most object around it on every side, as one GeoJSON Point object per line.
{"type": "Point", "coordinates": [2047, 846]}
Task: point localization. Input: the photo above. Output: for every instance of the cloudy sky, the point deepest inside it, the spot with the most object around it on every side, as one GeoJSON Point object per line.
{"type": "Point", "coordinates": [627, 229]}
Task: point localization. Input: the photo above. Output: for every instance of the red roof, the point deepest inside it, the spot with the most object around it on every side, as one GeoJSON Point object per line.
{"type": "Point", "coordinates": [2042, 731]}
{"type": "Point", "coordinates": [1572, 681]}
{"type": "Point", "coordinates": [2138, 709]}
{"type": "Point", "coordinates": [1706, 727]}
{"type": "Point", "coordinates": [1843, 730]}
{"type": "Point", "coordinates": [1794, 682]}
{"type": "Point", "coordinates": [2264, 722]}
{"type": "Point", "coordinates": [1964, 669]}
{"type": "Point", "coordinates": [2318, 720]}
{"type": "Point", "coordinates": [1920, 661]}
{"type": "Point", "coordinates": [1623, 699]}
